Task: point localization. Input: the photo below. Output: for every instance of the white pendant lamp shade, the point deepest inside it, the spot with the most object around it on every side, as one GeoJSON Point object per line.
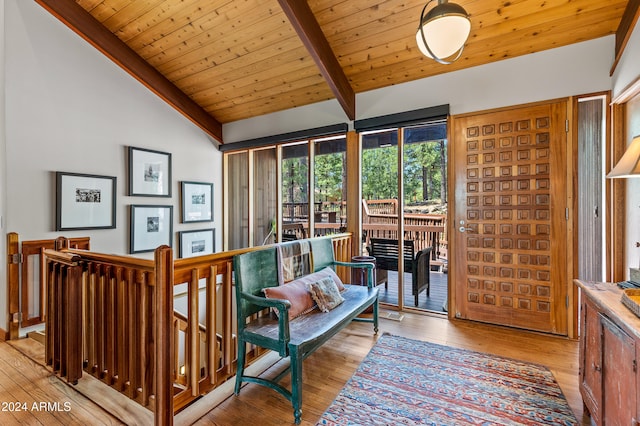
{"type": "Point", "coordinates": [629, 164]}
{"type": "Point", "coordinates": [443, 31]}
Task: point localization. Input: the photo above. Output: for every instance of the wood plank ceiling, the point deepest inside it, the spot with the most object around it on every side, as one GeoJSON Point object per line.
{"type": "Point", "coordinates": [219, 61]}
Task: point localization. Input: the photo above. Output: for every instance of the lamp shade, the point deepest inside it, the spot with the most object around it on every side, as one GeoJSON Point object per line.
{"type": "Point", "coordinates": [629, 164]}
{"type": "Point", "coordinates": [443, 31]}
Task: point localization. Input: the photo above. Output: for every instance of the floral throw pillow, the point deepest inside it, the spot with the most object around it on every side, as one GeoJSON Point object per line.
{"type": "Point", "coordinates": [326, 294]}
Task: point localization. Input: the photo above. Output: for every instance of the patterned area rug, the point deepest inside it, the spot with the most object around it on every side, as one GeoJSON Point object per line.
{"type": "Point", "coordinates": [408, 382]}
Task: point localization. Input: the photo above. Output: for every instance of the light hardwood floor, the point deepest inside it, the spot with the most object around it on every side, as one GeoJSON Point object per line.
{"type": "Point", "coordinates": [31, 395]}
{"type": "Point", "coordinates": [325, 372]}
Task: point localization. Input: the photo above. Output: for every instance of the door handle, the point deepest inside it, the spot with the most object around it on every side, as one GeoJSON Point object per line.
{"type": "Point", "coordinates": [463, 229]}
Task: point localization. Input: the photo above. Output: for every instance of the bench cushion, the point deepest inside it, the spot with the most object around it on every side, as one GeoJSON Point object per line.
{"type": "Point", "coordinates": [297, 293]}
{"type": "Point", "coordinates": [316, 324]}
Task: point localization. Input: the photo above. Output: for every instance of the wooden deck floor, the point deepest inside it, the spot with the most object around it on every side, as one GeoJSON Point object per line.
{"type": "Point", "coordinates": [435, 302]}
{"type": "Point", "coordinates": [325, 373]}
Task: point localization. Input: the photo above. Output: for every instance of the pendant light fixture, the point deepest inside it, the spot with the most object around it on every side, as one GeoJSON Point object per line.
{"type": "Point", "coordinates": [443, 31]}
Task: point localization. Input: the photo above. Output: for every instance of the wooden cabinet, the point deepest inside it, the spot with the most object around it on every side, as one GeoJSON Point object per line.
{"type": "Point", "coordinates": [591, 360]}
{"type": "Point", "coordinates": [619, 375]}
{"type": "Point", "coordinates": [610, 336]}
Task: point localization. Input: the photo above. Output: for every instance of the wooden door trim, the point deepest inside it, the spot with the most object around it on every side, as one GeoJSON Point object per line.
{"type": "Point", "coordinates": [616, 193]}
{"type": "Point", "coordinates": [451, 225]}
{"type": "Point", "coordinates": [616, 188]}
{"type": "Point", "coordinates": [508, 108]}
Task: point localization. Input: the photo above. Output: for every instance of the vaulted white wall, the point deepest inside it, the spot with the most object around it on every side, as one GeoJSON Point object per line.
{"type": "Point", "coordinates": [3, 176]}
{"type": "Point", "coordinates": [69, 108]}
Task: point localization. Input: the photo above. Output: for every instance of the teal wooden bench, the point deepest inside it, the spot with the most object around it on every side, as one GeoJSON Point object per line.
{"type": "Point", "coordinates": [299, 337]}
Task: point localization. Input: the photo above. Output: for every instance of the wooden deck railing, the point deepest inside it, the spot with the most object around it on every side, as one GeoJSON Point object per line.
{"type": "Point", "coordinates": [114, 317]}
{"type": "Point", "coordinates": [380, 220]}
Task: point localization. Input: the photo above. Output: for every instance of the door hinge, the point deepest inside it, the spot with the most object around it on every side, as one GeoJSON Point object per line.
{"type": "Point", "coordinates": [566, 213]}
{"type": "Point", "coordinates": [16, 317]}
{"type": "Point", "coordinates": [635, 366]}
{"type": "Point", "coordinates": [566, 299]}
{"type": "Point", "coordinates": [16, 258]}
{"type": "Point", "coordinates": [566, 126]}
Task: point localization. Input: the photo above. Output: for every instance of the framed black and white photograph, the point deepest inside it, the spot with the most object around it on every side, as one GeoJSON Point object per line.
{"type": "Point", "coordinates": [197, 243]}
{"type": "Point", "coordinates": [149, 173]}
{"type": "Point", "coordinates": [197, 202]}
{"type": "Point", "coordinates": [85, 201]}
{"type": "Point", "coordinates": [151, 227]}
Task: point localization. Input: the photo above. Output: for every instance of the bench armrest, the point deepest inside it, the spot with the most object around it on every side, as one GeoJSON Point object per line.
{"type": "Point", "coordinates": [282, 305]}
{"type": "Point", "coordinates": [360, 265]}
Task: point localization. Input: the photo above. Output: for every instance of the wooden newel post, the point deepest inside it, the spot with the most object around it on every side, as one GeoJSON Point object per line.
{"type": "Point", "coordinates": [164, 335]}
{"type": "Point", "coordinates": [63, 349]}
{"type": "Point", "coordinates": [73, 296]}
{"type": "Point", "coordinates": [61, 243]}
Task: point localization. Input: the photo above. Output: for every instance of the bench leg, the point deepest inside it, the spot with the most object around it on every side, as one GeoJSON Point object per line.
{"type": "Point", "coordinates": [242, 349]}
{"type": "Point", "coordinates": [375, 317]}
{"type": "Point", "coordinates": [296, 383]}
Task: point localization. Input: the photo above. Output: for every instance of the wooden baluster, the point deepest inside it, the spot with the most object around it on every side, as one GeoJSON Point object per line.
{"type": "Point", "coordinates": [73, 296]}
{"type": "Point", "coordinates": [133, 333]}
{"type": "Point", "coordinates": [212, 341]}
{"type": "Point", "coordinates": [110, 340]}
{"type": "Point", "coordinates": [122, 318]}
{"type": "Point", "coordinates": [193, 337]}
{"type": "Point", "coordinates": [228, 320]}
{"type": "Point", "coordinates": [143, 345]}
{"type": "Point", "coordinates": [50, 322]}
{"type": "Point", "coordinates": [58, 355]}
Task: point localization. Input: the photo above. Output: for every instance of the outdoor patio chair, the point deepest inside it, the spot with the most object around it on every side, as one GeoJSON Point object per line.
{"type": "Point", "coordinates": [386, 253]}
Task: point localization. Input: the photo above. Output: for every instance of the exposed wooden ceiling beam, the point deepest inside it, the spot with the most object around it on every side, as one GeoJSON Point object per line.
{"type": "Point", "coordinates": [627, 24]}
{"type": "Point", "coordinates": [80, 21]}
{"type": "Point", "coordinates": [309, 31]}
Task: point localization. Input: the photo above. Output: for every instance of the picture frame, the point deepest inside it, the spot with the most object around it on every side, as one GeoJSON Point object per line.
{"type": "Point", "coordinates": [150, 227]}
{"type": "Point", "coordinates": [149, 173]}
{"type": "Point", "coordinates": [85, 201]}
{"type": "Point", "coordinates": [197, 202]}
{"type": "Point", "coordinates": [197, 243]}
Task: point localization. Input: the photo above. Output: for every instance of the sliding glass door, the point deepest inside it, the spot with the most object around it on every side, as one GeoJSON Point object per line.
{"type": "Point", "coordinates": [404, 204]}
{"type": "Point", "coordinates": [269, 196]}
{"type": "Point", "coordinates": [295, 191]}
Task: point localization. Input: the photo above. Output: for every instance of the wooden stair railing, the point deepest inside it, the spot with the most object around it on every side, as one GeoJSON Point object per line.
{"type": "Point", "coordinates": [128, 335]}
{"type": "Point", "coordinates": [112, 316]}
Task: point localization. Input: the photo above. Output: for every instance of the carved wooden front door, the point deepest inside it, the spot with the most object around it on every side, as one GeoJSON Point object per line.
{"type": "Point", "coordinates": [510, 178]}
